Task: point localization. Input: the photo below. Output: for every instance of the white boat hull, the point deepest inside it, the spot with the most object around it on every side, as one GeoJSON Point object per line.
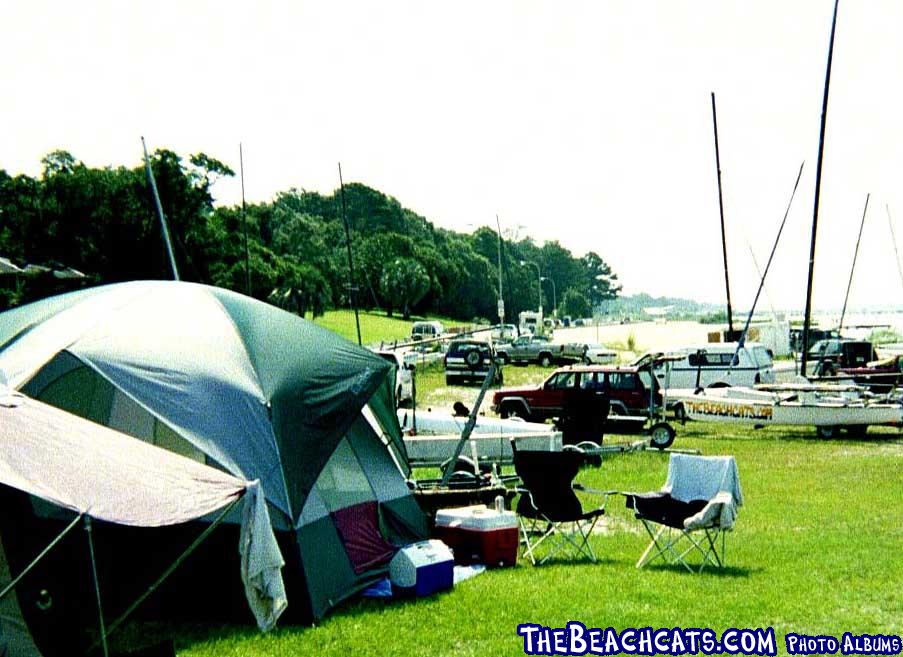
{"type": "Point", "coordinates": [438, 434]}
{"type": "Point", "coordinates": [444, 423]}
{"type": "Point", "coordinates": [748, 406]}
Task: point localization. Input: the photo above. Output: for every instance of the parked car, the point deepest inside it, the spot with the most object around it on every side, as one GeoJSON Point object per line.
{"type": "Point", "coordinates": [599, 354]}
{"type": "Point", "coordinates": [815, 334]}
{"type": "Point", "coordinates": [829, 356]}
{"type": "Point", "coordinates": [427, 330]}
{"type": "Point", "coordinates": [878, 376]}
{"type": "Point", "coordinates": [713, 365]}
{"type": "Point", "coordinates": [469, 360]}
{"type": "Point", "coordinates": [628, 389]}
{"type": "Point", "coordinates": [504, 332]}
{"type": "Point", "coordinates": [404, 375]}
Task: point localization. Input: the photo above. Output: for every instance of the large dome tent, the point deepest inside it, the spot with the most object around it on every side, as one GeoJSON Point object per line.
{"type": "Point", "coordinates": [254, 390]}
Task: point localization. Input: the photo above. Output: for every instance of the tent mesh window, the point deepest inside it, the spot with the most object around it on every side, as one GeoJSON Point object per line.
{"type": "Point", "coordinates": [83, 392]}
{"type": "Point", "coordinates": [342, 482]}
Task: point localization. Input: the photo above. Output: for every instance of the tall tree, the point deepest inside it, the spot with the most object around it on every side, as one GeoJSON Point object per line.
{"type": "Point", "coordinates": [403, 283]}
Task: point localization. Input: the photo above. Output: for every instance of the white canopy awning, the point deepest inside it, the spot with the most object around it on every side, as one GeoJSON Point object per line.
{"type": "Point", "coordinates": [90, 469]}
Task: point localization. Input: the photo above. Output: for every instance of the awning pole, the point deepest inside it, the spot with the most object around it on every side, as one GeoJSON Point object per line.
{"type": "Point", "coordinates": [103, 629]}
{"type": "Point", "coordinates": [169, 571]}
{"type": "Point", "coordinates": [9, 587]}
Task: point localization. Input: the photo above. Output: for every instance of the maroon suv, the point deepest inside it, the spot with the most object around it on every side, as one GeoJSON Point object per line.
{"type": "Point", "coordinates": [627, 388]}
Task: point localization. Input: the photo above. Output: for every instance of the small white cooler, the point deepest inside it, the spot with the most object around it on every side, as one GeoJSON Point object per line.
{"type": "Point", "coordinates": [421, 569]}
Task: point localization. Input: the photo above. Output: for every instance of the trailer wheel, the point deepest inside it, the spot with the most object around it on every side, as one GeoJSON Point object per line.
{"type": "Point", "coordinates": [680, 413]}
{"type": "Point", "coordinates": [464, 465]}
{"type": "Point", "coordinates": [661, 435]}
{"type": "Point", "coordinates": [827, 431]}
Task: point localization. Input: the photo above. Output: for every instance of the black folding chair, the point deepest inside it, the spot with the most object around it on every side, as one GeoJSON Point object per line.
{"type": "Point", "coordinates": [549, 512]}
{"type": "Point", "coordinates": [694, 509]}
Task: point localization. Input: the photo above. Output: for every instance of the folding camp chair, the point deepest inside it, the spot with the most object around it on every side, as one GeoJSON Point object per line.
{"type": "Point", "coordinates": [548, 509]}
{"type": "Point", "coordinates": [695, 508]}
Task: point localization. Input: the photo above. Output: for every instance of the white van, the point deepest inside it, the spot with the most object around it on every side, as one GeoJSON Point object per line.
{"type": "Point", "coordinates": [710, 365]}
{"type": "Point", "coordinates": [426, 330]}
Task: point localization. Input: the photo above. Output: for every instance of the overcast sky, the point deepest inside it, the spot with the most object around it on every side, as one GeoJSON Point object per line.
{"type": "Point", "coordinates": [585, 122]}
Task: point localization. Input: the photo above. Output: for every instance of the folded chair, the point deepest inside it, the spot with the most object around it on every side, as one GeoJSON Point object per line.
{"type": "Point", "coordinates": [696, 507]}
{"type": "Point", "coordinates": [548, 510]}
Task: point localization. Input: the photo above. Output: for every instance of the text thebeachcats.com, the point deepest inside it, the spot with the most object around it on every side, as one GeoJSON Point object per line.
{"type": "Point", "coordinates": [577, 639]}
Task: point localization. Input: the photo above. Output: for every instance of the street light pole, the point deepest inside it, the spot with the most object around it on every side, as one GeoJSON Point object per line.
{"type": "Point", "coordinates": [538, 280]}
{"type": "Point", "coordinates": [554, 296]}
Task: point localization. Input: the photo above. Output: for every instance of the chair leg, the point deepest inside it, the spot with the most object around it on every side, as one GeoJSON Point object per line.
{"type": "Point", "coordinates": [653, 544]}
{"type": "Point", "coordinates": [557, 539]}
{"type": "Point", "coordinates": [665, 542]}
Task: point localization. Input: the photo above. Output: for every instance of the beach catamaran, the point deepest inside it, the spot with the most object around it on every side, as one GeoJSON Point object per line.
{"type": "Point", "coordinates": [827, 407]}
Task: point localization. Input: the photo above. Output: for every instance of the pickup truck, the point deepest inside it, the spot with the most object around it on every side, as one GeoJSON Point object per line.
{"type": "Point", "coordinates": [534, 349]}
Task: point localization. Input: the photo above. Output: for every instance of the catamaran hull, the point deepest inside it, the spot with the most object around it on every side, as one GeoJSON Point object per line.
{"type": "Point", "coordinates": [760, 408]}
{"type": "Point", "coordinates": [734, 412]}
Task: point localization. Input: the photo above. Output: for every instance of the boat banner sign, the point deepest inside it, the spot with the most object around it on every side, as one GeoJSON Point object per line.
{"type": "Point", "coordinates": [729, 409]}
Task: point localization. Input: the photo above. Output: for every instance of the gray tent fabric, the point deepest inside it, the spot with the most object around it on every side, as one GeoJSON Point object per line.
{"type": "Point", "coordinates": [231, 382]}
{"type": "Point", "coordinates": [93, 470]}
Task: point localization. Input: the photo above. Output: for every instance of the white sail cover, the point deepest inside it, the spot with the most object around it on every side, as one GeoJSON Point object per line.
{"type": "Point", "coordinates": [90, 469]}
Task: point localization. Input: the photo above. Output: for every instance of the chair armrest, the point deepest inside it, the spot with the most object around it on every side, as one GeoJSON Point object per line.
{"type": "Point", "coordinates": [721, 511]}
{"type": "Point", "coordinates": [524, 491]}
{"type": "Point", "coordinates": [595, 491]}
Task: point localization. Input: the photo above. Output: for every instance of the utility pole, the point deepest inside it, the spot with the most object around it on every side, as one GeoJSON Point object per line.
{"type": "Point", "coordinates": [357, 321]}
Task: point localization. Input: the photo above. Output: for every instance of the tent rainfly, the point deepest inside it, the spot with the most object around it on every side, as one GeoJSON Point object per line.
{"type": "Point", "coordinates": [261, 393]}
{"type": "Point", "coordinates": [98, 473]}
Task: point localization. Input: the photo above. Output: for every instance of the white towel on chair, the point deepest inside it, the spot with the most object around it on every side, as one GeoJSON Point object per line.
{"type": "Point", "coordinates": [713, 478]}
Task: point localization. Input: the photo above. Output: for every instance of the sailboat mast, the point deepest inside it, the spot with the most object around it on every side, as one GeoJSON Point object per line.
{"type": "Point", "coordinates": [727, 283]}
{"type": "Point", "coordinates": [807, 319]}
{"type": "Point", "coordinates": [853, 267]}
{"type": "Point", "coordinates": [774, 248]}
{"type": "Point", "coordinates": [893, 238]}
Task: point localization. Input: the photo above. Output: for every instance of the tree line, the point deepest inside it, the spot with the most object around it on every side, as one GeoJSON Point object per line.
{"type": "Point", "coordinates": [290, 251]}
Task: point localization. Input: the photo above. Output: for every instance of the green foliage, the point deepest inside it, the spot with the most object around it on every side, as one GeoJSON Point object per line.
{"type": "Point", "coordinates": [575, 304]}
{"type": "Point", "coordinates": [102, 221]}
{"type": "Point", "coordinates": [403, 283]}
{"type": "Point", "coordinates": [884, 336]}
{"type": "Point", "coordinates": [717, 317]}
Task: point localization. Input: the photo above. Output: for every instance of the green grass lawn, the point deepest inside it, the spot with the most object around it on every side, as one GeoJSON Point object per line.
{"type": "Point", "coordinates": [375, 326]}
{"type": "Point", "coordinates": [432, 392]}
{"type": "Point", "coordinates": [816, 549]}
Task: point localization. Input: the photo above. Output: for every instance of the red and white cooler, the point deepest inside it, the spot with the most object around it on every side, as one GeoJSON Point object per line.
{"type": "Point", "coordinates": [479, 534]}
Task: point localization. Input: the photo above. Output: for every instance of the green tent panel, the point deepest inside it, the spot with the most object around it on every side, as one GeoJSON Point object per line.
{"type": "Point", "coordinates": [241, 385]}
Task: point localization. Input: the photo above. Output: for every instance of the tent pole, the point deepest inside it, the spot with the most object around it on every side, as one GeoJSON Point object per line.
{"type": "Point", "coordinates": [169, 571]}
{"type": "Point", "coordinates": [9, 587]}
{"type": "Point", "coordinates": [103, 629]}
